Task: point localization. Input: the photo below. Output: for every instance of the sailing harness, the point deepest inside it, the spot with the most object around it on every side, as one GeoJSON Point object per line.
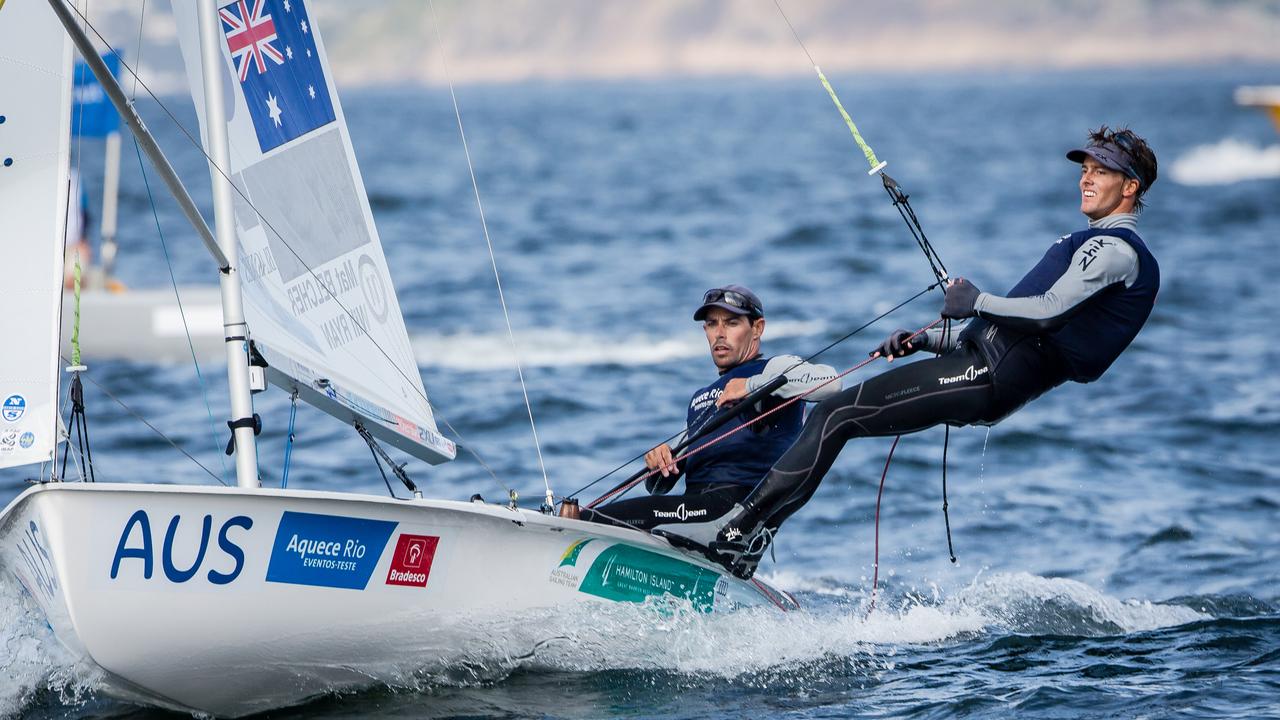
{"type": "Point", "coordinates": [901, 202]}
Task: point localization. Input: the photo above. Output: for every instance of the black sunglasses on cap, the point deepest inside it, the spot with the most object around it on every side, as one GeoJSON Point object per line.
{"type": "Point", "coordinates": [734, 298]}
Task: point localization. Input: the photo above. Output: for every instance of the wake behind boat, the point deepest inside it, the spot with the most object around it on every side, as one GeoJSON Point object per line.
{"type": "Point", "coordinates": [235, 600]}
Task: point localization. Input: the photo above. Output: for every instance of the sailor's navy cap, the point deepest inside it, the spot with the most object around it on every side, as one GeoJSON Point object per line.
{"type": "Point", "coordinates": [1112, 155]}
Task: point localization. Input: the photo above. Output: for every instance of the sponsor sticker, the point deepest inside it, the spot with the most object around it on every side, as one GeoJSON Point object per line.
{"type": "Point", "coordinates": [566, 572]}
{"type": "Point", "coordinates": [8, 441]}
{"type": "Point", "coordinates": [27, 440]}
{"type": "Point", "coordinates": [327, 550]}
{"type": "Point", "coordinates": [14, 407]}
{"type": "Point", "coordinates": [411, 563]}
{"type": "Point", "coordinates": [629, 574]}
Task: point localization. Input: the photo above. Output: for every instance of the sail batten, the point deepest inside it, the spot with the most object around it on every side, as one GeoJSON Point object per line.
{"type": "Point", "coordinates": [35, 137]}
{"type": "Point", "coordinates": [317, 291]}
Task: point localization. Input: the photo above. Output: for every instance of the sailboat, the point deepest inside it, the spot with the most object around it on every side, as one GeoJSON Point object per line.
{"type": "Point", "coordinates": [234, 600]}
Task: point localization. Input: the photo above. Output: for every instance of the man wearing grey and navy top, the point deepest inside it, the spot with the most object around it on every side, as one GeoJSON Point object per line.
{"type": "Point", "coordinates": [721, 474]}
{"type": "Point", "coordinates": [1069, 318]}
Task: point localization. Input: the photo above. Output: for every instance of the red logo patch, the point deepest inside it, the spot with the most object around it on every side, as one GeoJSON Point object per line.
{"type": "Point", "coordinates": [412, 562]}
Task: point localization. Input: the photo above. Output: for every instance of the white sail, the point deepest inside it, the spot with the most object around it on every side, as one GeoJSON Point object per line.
{"type": "Point", "coordinates": [317, 294]}
{"type": "Point", "coordinates": [35, 136]}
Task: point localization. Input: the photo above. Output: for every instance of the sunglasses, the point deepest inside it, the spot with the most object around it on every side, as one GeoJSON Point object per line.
{"type": "Point", "coordinates": [1125, 144]}
{"type": "Point", "coordinates": [734, 298]}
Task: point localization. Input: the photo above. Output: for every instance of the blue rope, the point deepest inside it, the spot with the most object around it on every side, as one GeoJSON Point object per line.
{"type": "Point", "coordinates": [288, 446]}
{"type": "Point", "coordinates": [204, 390]}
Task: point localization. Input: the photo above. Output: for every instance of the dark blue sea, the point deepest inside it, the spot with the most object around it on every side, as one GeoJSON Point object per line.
{"type": "Point", "coordinates": [1118, 543]}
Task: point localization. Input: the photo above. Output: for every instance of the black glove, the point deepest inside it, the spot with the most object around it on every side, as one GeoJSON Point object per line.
{"type": "Point", "coordinates": [897, 345]}
{"type": "Point", "coordinates": [961, 295]}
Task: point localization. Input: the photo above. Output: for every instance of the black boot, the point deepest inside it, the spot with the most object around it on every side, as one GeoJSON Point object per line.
{"type": "Point", "coordinates": [741, 543]}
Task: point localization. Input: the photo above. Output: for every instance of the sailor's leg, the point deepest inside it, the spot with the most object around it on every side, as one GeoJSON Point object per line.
{"type": "Point", "coordinates": [646, 513]}
{"type": "Point", "coordinates": [954, 388]}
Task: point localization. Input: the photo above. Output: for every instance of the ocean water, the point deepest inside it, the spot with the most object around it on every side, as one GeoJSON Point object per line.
{"type": "Point", "coordinates": [1118, 544]}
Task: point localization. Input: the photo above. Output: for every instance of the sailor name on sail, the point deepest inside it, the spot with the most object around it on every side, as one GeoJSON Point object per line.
{"type": "Point", "coordinates": [307, 293]}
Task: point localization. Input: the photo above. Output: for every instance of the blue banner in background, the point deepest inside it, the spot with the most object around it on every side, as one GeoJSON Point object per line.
{"type": "Point", "coordinates": [327, 550]}
{"type": "Point", "coordinates": [92, 114]}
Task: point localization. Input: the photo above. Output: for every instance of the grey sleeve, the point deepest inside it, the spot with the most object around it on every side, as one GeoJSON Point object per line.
{"type": "Point", "coordinates": [936, 340]}
{"type": "Point", "coordinates": [800, 379]}
{"type": "Point", "coordinates": [1100, 262]}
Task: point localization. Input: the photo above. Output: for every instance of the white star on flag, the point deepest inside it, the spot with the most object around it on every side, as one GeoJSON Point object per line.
{"type": "Point", "coordinates": [288, 51]}
{"type": "Point", "coordinates": [286, 6]}
{"type": "Point", "coordinates": [308, 52]}
{"type": "Point", "coordinates": [304, 26]}
{"type": "Point", "coordinates": [311, 90]}
{"type": "Point", "coordinates": [273, 109]}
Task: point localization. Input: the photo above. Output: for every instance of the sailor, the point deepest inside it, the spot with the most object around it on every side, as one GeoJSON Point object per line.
{"type": "Point", "coordinates": [723, 473]}
{"type": "Point", "coordinates": [1069, 318]}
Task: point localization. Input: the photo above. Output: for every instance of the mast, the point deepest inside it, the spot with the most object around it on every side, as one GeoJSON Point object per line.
{"type": "Point", "coordinates": [236, 331]}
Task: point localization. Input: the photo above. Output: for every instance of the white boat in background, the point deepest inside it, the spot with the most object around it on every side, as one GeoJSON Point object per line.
{"type": "Point", "coordinates": [1266, 97]}
{"type": "Point", "coordinates": [146, 325]}
{"type": "Point", "coordinates": [234, 600]}
{"type": "Point", "coordinates": [120, 322]}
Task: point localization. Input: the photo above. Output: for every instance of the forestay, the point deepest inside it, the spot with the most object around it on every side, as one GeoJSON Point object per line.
{"type": "Point", "coordinates": [317, 295]}
{"type": "Point", "coordinates": [35, 136]}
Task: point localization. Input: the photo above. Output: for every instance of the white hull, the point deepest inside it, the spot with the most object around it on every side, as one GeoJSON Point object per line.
{"type": "Point", "coordinates": [145, 325]}
{"type": "Point", "coordinates": [231, 601]}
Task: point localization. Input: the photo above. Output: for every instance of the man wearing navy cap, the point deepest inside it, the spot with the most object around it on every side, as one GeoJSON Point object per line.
{"type": "Point", "coordinates": [1069, 318]}
{"type": "Point", "coordinates": [722, 474]}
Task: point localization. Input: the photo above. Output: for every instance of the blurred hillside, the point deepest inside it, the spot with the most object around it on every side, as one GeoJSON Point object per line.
{"type": "Point", "coordinates": [394, 41]}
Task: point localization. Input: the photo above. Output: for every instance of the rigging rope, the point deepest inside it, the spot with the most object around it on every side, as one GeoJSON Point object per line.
{"type": "Point", "coordinates": [182, 313]}
{"type": "Point", "coordinates": [475, 186]}
{"type": "Point", "coordinates": [872, 160]}
{"type": "Point", "coordinates": [902, 204]}
{"type": "Point", "coordinates": [288, 443]}
{"type": "Point", "coordinates": [153, 428]}
{"type": "Point", "coordinates": [875, 566]}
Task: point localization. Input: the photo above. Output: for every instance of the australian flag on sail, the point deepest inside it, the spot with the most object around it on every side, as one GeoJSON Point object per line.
{"type": "Point", "coordinates": [274, 57]}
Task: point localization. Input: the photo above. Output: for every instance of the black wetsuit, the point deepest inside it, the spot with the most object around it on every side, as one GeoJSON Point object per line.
{"type": "Point", "coordinates": [1068, 319]}
{"type": "Point", "coordinates": [721, 475]}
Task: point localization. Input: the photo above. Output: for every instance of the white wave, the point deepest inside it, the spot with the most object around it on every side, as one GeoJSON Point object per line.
{"type": "Point", "coordinates": [1030, 604]}
{"type": "Point", "coordinates": [1225, 162]}
{"type": "Point", "coordinates": [554, 347]}
{"type": "Point", "coordinates": [32, 659]}
{"type": "Point", "coordinates": [748, 646]}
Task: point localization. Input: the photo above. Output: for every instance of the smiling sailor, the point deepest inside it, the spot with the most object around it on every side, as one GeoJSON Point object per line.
{"type": "Point", "coordinates": [1069, 318]}
{"type": "Point", "coordinates": [720, 476]}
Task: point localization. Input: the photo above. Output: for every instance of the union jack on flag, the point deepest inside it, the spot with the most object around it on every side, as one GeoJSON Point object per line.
{"type": "Point", "coordinates": [249, 36]}
{"type": "Point", "coordinates": [274, 49]}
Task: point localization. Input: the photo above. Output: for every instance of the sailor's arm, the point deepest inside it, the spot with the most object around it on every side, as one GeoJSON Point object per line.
{"type": "Point", "coordinates": [1098, 264]}
{"type": "Point", "coordinates": [801, 378]}
{"type": "Point", "coordinates": [941, 340]}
